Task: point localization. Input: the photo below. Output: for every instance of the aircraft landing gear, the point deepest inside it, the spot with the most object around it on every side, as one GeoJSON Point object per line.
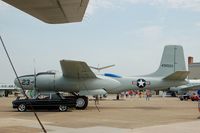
{"type": "Point", "coordinates": [81, 102]}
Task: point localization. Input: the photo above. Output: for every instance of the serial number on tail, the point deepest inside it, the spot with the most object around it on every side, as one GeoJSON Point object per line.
{"type": "Point", "coordinates": [167, 65]}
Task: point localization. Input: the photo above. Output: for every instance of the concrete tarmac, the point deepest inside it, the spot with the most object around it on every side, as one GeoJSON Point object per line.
{"type": "Point", "coordinates": [131, 115]}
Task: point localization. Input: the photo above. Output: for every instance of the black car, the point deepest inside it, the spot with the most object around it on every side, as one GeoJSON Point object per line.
{"type": "Point", "coordinates": [46, 101]}
{"type": "Point", "coordinates": [184, 97]}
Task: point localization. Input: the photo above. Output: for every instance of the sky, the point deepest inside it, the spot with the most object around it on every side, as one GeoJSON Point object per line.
{"type": "Point", "coordinates": [128, 33]}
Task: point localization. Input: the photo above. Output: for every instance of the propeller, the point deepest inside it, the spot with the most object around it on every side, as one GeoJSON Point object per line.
{"type": "Point", "coordinates": [35, 75]}
{"type": "Point", "coordinates": [101, 68]}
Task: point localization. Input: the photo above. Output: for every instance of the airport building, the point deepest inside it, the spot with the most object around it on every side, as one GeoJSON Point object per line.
{"type": "Point", "coordinates": [194, 68]}
{"type": "Point", "coordinates": [5, 89]}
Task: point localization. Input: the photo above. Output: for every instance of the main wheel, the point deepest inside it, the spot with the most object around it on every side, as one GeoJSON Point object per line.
{"type": "Point", "coordinates": [81, 102]}
{"type": "Point", "coordinates": [63, 108]}
{"type": "Point", "coordinates": [21, 108]}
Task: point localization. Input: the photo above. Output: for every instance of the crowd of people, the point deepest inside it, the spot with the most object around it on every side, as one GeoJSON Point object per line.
{"type": "Point", "coordinates": [132, 93]}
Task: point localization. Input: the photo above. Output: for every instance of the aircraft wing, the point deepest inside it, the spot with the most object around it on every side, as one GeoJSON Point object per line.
{"type": "Point", "coordinates": [178, 75]}
{"type": "Point", "coordinates": [76, 69]}
{"type": "Point", "coordinates": [52, 11]}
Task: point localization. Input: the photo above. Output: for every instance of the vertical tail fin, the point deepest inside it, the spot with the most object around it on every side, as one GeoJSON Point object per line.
{"type": "Point", "coordinates": [172, 60]}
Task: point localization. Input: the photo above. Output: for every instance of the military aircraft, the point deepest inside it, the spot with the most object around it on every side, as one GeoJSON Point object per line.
{"type": "Point", "coordinates": [53, 11]}
{"type": "Point", "coordinates": [77, 78]}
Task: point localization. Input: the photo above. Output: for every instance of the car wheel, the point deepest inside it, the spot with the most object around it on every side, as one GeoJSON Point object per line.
{"type": "Point", "coordinates": [186, 98]}
{"type": "Point", "coordinates": [63, 108]}
{"type": "Point", "coordinates": [81, 102]}
{"type": "Point", "coordinates": [21, 108]}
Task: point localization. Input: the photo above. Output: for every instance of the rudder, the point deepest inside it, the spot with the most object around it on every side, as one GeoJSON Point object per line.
{"type": "Point", "coordinates": [172, 60]}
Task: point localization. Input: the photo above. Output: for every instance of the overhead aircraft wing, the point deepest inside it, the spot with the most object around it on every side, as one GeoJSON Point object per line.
{"type": "Point", "coordinates": [178, 75]}
{"type": "Point", "coordinates": [53, 11]}
{"type": "Point", "coordinates": [76, 69]}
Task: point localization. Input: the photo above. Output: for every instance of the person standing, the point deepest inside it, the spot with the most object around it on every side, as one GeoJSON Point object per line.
{"type": "Point", "coordinates": [140, 94]}
{"type": "Point", "coordinates": [148, 93]}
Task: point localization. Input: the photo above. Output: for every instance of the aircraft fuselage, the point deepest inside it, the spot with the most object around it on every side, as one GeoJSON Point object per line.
{"type": "Point", "coordinates": [57, 82]}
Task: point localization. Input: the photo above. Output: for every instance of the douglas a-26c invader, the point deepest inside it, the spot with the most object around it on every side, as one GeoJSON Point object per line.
{"type": "Point", "coordinates": [77, 78]}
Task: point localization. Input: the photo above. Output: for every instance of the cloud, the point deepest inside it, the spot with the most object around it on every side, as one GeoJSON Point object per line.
{"type": "Point", "coordinates": [184, 4]}
{"type": "Point", "coordinates": [151, 33]}
{"type": "Point", "coordinates": [101, 4]}
{"type": "Point", "coordinates": [197, 24]}
{"type": "Point", "coordinates": [192, 5]}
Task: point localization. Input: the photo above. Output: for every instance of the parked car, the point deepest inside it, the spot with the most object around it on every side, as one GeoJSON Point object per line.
{"type": "Point", "coordinates": [195, 97]}
{"type": "Point", "coordinates": [170, 94]}
{"type": "Point", "coordinates": [184, 97]}
{"type": "Point", "coordinates": [45, 101]}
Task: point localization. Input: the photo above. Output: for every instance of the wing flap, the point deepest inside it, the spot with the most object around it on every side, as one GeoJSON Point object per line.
{"type": "Point", "coordinates": [76, 69]}
{"type": "Point", "coordinates": [53, 11]}
{"type": "Point", "coordinates": [178, 75]}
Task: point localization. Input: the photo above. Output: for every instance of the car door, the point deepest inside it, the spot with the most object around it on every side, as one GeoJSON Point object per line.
{"type": "Point", "coordinates": [42, 101]}
{"type": "Point", "coordinates": [55, 100]}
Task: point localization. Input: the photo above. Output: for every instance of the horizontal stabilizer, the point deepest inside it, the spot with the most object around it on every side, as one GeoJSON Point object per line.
{"type": "Point", "coordinates": [178, 75]}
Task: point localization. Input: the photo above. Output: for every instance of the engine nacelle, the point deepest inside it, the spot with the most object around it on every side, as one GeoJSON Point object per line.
{"type": "Point", "coordinates": [45, 81]}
